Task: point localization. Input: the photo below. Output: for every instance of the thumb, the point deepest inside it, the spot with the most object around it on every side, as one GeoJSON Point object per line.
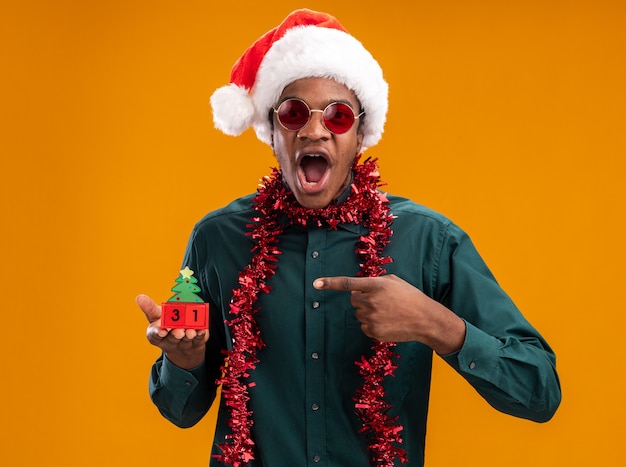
{"type": "Point", "coordinates": [150, 309]}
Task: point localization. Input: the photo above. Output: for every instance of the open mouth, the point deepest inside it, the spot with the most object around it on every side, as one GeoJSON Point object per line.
{"type": "Point", "coordinates": [313, 168]}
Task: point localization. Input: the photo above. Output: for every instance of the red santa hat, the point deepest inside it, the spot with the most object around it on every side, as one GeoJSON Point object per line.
{"type": "Point", "coordinates": [306, 44]}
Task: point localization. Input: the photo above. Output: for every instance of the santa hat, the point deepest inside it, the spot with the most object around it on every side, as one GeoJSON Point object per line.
{"type": "Point", "coordinates": [306, 44]}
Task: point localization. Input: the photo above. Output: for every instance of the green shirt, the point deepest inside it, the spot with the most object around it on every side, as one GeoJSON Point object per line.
{"type": "Point", "coordinates": [302, 402]}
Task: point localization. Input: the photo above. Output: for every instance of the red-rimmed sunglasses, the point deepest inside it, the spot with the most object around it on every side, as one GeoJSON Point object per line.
{"type": "Point", "coordinates": [294, 114]}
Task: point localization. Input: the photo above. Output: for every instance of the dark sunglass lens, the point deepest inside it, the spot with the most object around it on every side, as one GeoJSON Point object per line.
{"type": "Point", "coordinates": [338, 117]}
{"type": "Point", "coordinates": [293, 114]}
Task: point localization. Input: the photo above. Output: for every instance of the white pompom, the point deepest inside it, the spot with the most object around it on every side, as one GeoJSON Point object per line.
{"type": "Point", "coordinates": [233, 110]}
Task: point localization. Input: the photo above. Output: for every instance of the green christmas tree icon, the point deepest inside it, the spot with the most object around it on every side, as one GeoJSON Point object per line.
{"type": "Point", "coordinates": [186, 287]}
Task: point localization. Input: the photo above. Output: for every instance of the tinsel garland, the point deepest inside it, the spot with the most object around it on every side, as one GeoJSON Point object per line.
{"type": "Point", "coordinates": [364, 205]}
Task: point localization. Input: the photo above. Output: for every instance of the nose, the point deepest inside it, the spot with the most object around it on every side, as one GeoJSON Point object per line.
{"type": "Point", "coordinates": [314, 129]}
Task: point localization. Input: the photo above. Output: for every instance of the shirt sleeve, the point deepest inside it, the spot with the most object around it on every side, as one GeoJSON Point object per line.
{"type": "Point", "coordinates": [503, 357]}
{"type": "Point", "coordinates": [182, 396]}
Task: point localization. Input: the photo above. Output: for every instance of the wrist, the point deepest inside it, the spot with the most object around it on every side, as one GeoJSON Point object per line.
{"type": "Point", "coordinates": [447, 333]}
{"type": "Point", "coordinates": [186, 360]}
{"type": "Point", "coordinates": [455, 337]}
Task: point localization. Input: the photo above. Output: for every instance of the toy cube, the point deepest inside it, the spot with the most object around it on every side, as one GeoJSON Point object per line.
{"type": "Point", "coordinates": [184, 315]}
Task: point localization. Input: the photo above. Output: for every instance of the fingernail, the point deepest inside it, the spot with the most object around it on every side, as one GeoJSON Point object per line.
{"type": "Point", "coordinates": [318, 283]}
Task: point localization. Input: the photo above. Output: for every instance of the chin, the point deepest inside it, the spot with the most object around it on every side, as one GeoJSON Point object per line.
{"type": "Point", "coordinates": [313, 202]}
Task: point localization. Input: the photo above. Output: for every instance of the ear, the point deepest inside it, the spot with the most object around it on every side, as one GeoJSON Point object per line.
{"type": "Point", "coordinates": [271, 119]}
{"type": "Point", "coordinates": [359, 142]}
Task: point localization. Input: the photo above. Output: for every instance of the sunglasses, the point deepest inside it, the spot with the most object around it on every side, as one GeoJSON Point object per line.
{"type": "Point", "coordinates": [294, 114]}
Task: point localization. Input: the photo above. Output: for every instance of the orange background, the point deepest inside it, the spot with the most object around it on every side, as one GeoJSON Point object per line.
{"type": "Point", "coordinates": [509, 117]}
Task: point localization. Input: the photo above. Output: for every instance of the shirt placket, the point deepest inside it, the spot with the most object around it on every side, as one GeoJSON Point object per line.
{"type": "Point", "coordinates": [314, 350]}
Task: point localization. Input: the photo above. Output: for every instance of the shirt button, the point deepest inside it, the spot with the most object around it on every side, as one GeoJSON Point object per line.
{"type": "Point", "coordinates": [316, 305]}
{"type": "Point", "coordinates": [315, 254]}
{"type": "Point", "coordinates": [315, 355]}
{"type": "Point", "coordinates": [315, 407]}
{"type": "Point", "coordinates": [316, 458]}
{"type": "Point", "coordinates": [188, 383]}
{"type": "Point", "coordinates": [472, 365]}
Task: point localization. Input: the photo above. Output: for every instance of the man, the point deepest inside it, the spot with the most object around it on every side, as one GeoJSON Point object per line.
{"type": "Point", "coordinates": [328, 297]}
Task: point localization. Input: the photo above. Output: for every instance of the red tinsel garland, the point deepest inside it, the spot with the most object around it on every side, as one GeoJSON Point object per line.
{"type": "Point", "coordinates": [364, 205]}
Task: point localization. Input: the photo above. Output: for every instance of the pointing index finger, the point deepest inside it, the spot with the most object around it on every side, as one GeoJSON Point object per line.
{"type": "Point", "coordinates": [345, 283]}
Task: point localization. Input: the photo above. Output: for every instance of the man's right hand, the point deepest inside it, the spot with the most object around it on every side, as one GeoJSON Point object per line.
{"type": "Point", "coordinates": [183, 347]}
